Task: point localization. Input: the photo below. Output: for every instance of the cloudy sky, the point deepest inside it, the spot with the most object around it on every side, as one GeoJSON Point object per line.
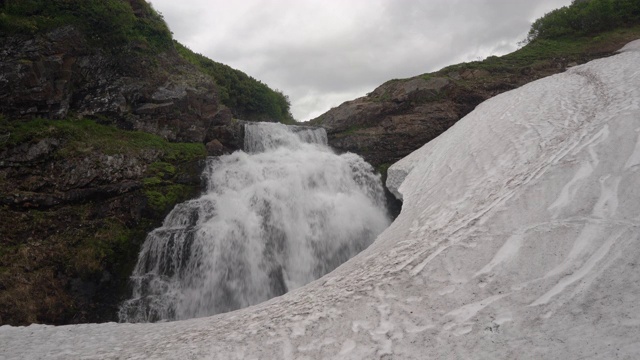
{"type": "Point", "coordinates": [322, 53]}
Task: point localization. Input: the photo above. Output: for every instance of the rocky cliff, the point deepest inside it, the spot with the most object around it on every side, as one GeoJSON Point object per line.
{"type": "Point", "coordinates": [98, 140]}
{"type": "Point", "coordinates": [402, 115]}
{"type": "Point", "coordinates": [58, 74]}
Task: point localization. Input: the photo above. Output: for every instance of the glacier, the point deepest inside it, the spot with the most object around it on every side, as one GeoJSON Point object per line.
{"type": "Point", "coordinates": [519, 238]}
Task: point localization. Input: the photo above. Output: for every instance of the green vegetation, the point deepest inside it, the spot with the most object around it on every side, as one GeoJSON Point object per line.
{"type": "Point", "coordinates": [382, 170]}
{"type": "Point", "coordinates": [249, 98]}
{"type": "Point", "coordinates": [544, 54]}
{"type": "Point", "coordinates": [160, 187]}
{"type": "Point", "coordinates": [84, 136]}
{"type": "Point", "coordinates": [50, 253]}
{"type": "Point", "coordinates": [112, 24]}
{"type": "Point", "coordinates": [350, 130]}
{"type": "Point", "coordinates": [162, 197]}
{"type": "Point", "coordinates": [84, 240]}
{"type": "Point", "coordinates": [586, 17]}
{"type": "Point", "coordinates": [108, 23]}
{"type": "Point", "coordinates": [107, 240]}
{"type": "Point", "coordinates": [585, 30]}
{"type": "Point", "coordinates": [386, 96]}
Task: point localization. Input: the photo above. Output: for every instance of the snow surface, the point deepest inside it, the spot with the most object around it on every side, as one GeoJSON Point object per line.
{"type": "Point", "coordinates": [518, 239]}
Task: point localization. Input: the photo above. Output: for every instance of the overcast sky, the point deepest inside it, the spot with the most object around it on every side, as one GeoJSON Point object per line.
{"type": "Point", "coordinates": [322, 53]}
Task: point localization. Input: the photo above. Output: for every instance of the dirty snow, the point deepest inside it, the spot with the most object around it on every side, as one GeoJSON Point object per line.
{"type": "Point", "coordinates": [519, 238]}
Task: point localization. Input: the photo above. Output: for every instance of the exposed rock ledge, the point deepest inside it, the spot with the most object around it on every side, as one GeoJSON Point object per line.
{"type": "Point", "coordinates": [59, 74]}
{"type": "Point", "coordinates": [401, 115]}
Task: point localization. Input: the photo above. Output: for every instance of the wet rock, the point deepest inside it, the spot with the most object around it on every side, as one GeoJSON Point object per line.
{"type": "Point", "coordinates": [393, 120]}
{"type": "Point", "coordinates": [215, 148]}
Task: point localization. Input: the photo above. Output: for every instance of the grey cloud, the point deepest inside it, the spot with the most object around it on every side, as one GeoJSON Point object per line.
{"type": "Point", "coordinates": [324, 53]}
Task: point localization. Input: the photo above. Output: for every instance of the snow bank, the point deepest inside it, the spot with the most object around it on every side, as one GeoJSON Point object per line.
{"type": "Point", "coordinates": [518, 238]}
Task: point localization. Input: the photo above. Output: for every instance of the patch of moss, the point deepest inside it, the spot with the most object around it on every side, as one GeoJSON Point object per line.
{"type": "Point", "coordinates": [82, 136]}
{"type": "Point", "coordinates": [386, 96]}
{"type": "Point", "coordinates": [151, 181]}
{"type": "Point", "coordinates": [350, 131]}
{"type": "Point", "coordinates": [162, 169]}
{"type": "Point", "coordinates": [102, 247]}
{"type": "Point", "coordinates": [249, 98]}
{"type": "Point", "coordinates": [543, 52]}
{"type": "Point", "coordinates": [382, 170]}
{"type": "Point", "coordinates": [161, 186]}
{"type": "Point", "coordinates": [427, 76]}
{"type": "Point", "coordinates": [161, 198]}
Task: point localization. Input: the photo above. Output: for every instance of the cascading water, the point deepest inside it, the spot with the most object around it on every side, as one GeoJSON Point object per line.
{"type": "Point", "coordinates": [272, 220]}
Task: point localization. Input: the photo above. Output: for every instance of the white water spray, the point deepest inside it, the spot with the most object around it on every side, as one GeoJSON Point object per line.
{"type": "Point", "coordinates": [272, 220]}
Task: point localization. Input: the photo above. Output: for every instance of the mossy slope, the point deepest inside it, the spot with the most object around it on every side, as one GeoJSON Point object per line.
{"type": "Point", "coordinates": [76, 211]}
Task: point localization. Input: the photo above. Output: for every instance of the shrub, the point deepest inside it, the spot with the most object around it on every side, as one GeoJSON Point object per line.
{"type": "Point", "coordinates": [249, 98]}
{"type": "Point", "coordinates": [585, 17]}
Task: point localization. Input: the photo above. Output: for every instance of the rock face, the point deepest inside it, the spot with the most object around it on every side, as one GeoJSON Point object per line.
{"type": "Point", "coordinates": [58, 74]}
{"type": "Point", "coordinates": [402, 115]}
{"type": "Point", "coordinates": [77, 195]}
{"type": "Point", "coordinates": [75, 209]}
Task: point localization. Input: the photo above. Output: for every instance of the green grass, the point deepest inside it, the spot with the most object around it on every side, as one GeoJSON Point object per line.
{"type": "Point", "coordinates": [83, 136]}
{"type": "Point", "coordinates": [544, 53]}
{"type": "Point", "coordinates": [249, 98]}
{"type": "Point", "coordinates": [91, 239]}
{"type": "Point", "coordinates": [350, 130]}
{"type": "Point", "coordinates": [108, 23]}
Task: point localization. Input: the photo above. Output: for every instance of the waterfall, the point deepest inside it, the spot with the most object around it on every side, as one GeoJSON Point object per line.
{"type": "Point", "coordinates": [274, 218]}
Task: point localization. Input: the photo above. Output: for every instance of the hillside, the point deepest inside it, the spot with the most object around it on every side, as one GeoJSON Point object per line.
{"type": "Point", "coordinates": [401, 115]}
{"type": "Point", "coordinates": [518, 242]}
{"type": "Point", "coordinates": [248, 99]}
{"type": "Point", "coordinates": [104, 126]}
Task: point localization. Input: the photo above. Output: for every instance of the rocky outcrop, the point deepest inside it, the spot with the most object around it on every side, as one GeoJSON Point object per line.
{"type": "Point", "coordinates": [395, 119]}
{"type": "Point", "coordinates": [77, 194]}
{"type": "Point", "coordinates": [76, 200]}
{"type": "Point", "coordinates": [58, 74]}
{"type": "Point", "coordinates": [400, 116]}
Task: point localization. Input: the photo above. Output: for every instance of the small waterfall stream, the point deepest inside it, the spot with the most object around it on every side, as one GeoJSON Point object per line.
{"type": "Point", "coordinates": [273, 219]}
